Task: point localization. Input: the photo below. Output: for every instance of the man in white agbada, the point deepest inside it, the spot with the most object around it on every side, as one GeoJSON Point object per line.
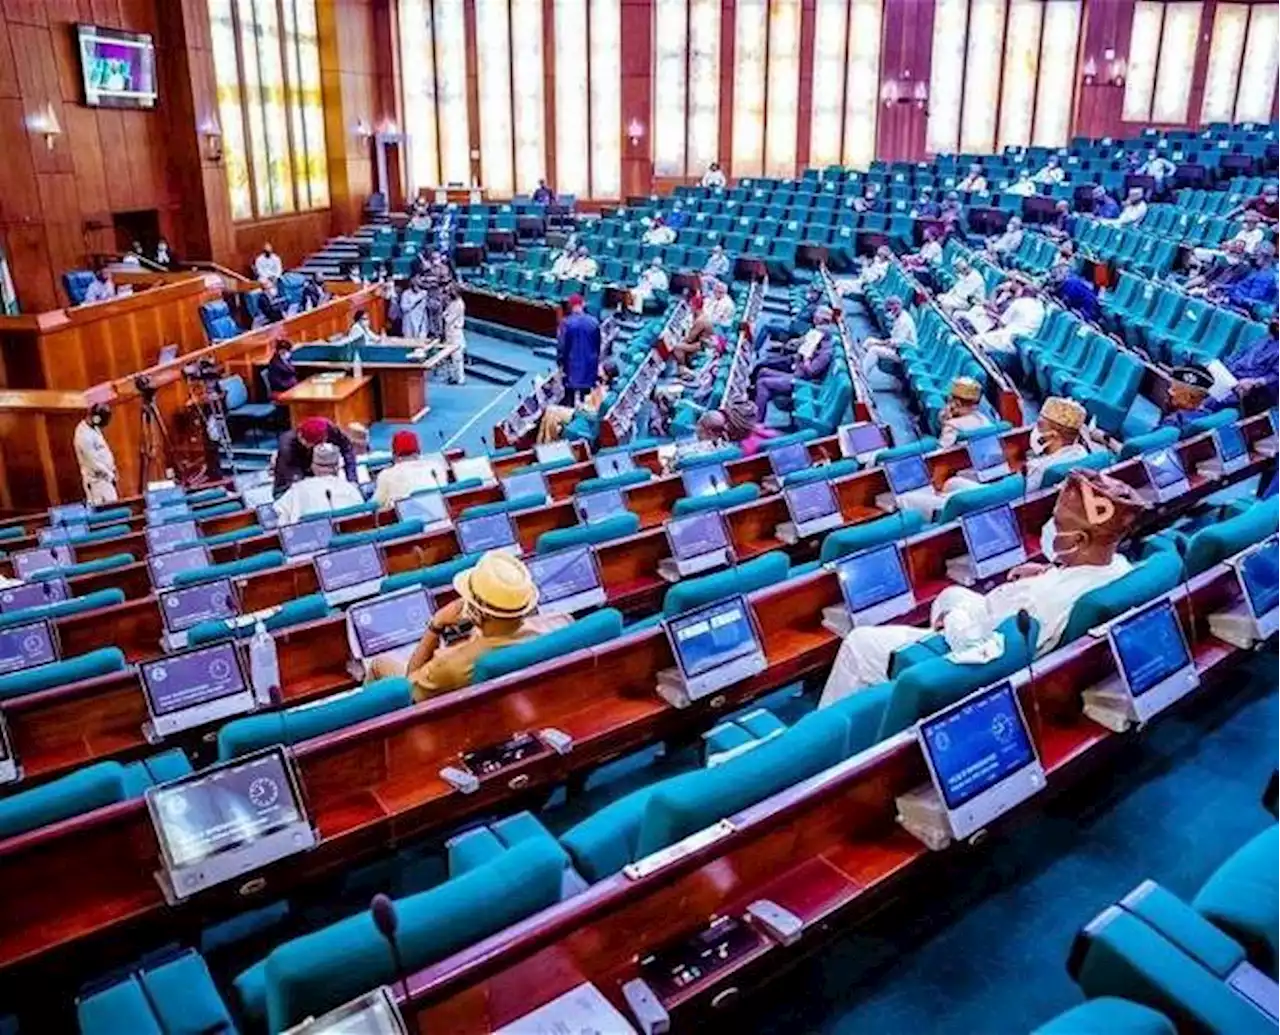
{"type": "Point", "coordinates": [327, 489]}
{"type": "Point", "coordinates": [961, 413]}
{"type": "Point", "coordinates": [1093, 514]}
{"type": "Point", "coordinates": [714, 176]}
{"type": "Point", "coordinates": [721, 309]}
{"type": "Point", "coordinates": [1008, 242]}
{"type": "Point", "coordinates": [652, 280]}
{"type": "Point", "coordinates": [409, 472]}
{"type": "Point", "coordinates": [1052, 171]}
{"type": "Point", "coordinates": [879, 352]}
{"type": "Point", "coordinates": [1024, 186]}
{"type": "Point", "coordinates": [659, 232]}
{"type": "Point", "coordinates": [584, 267]}
{"type": "Point", "coordinates": [97, 462]}
{"type": "Point", "coordinates": [969, 288]}
{"type": "Point", "coordinates": [1245, 240]}
{"type": "Point", "coordinates": [1022, 316]}
{"type": "Point", "coordinates": [1134, 209]}
{"type": "Point", "coordinates": [872, 272]}
{"type": "Point", "coordinates": [454, 323]}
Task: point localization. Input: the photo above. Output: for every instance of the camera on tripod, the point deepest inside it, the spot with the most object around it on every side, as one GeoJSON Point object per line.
{"type": "Point", "coordinates": [146, 388]}
{"type": "Point", "coordinates": [206, 372]}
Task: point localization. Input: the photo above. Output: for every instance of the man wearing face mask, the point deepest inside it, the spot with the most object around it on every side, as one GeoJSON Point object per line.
{"type": "Point", "coordinates": [97, 462]}
{"type": "Point", "coordinates": [1093, 514]}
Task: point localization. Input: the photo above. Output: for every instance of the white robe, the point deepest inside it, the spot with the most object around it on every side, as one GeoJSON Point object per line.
{"type": "Point", "coordinates": [1036, 465]}
{"type": "Point", "coordinates": [651, 280]}
{"type": "Point", "coordinates": [863, 659]}
{"type": "Point", "coordinates": [1022, 316]}
{"type": "Point", "coordinates": [316, 495]}
{"type": "Point", "coordinates": [268, 267]}
{"type": "Point", "coordinates": [403, 478]}
{"type": "Point", "coordinates": [455, 318]}
{"type": "Point", "coordinates": [952, 427]}
{"type": "Point", "coordinates": [413, 313]}
{"type": "Point", "coordinates": [97, 464]}
{"type": "Point", "coordinates": [967, 290]}
{"type": "Point", "coordinates": [720, 311]}
{"type": "Point", "coordinates": [659, 235]}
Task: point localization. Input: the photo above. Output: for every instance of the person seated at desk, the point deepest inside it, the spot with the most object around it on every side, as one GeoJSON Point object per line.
{"type": "Point", "coordinates": [969, 288]}
{"type": "Point", "coordinates": [495, 608]}
{"type": "Point", "coordinates": [1092, 516]}
{"type": "Point", "coordinates": [1022, 316]}
{"type": "Point", "coordinates": [1248, 238]}
{"type": "Point", "coordinates": [1245, 378]}
{"type": "Point", "coordinates": [324, 490]}
{"type": "Point", "coordinates": [293, 451]}
{"type": "Point", "coordinates": [701, 332]}
{"type": "Point", "coordinates": [1052, 172]}
{"type": "Point", "coordinates": [717, 265]}
{"type": "Point", "coordinates": [714, 176]}
{"type": "Point", "coordinates": [877, 352]}
{"type": "Point", "coordinates": [272, 306]}
{"type": "Point", "coordinates": [1134, 210]}
{"type": "Point", "coordinates": [1056, 438]}
{"type": "Point", "coordinates": [556, 417]}
{"type": "Point", "coordinates": [870, 199]}
{"type": "Point", "coordinates": [961, 412]}
{"type": "Point", "coordinates": [133, 257]}
{"type": "Point", "coordinates": [1104, 205]}
{"type": "Point", "coordinates": [1023, 186]}
{"type": "Point", "coordinates": [652, 280]}
{"type": "Point", "coordinates": [281, 373]}
{"type": "Point", "coordinates": [929, 255]}
{"type": "Point", "coordinates": [1000, 248]}
{"type": "Point", "coordinates": [313, 292]}
{"type": "Point", "coordinates": [720, 310]}
{"type": "Point", "coordinates": [1073, 291]}
{"type": "Point", "coordinates": [926, 206]}
{"type": "Point", "coordinates": [975, 181]}
{"type": "Point", "coordinates": [97, 463]}
{"type": "Point", "coordinates": [267, 264]}
{"type": "Point", "coordinates": [542, 194]}
{"type": "Point", "coordinates": [659, 233]}
{"type": "Point", "coordinates": [409, 473]}
{"type": "Point", "coordinates": [562, 266]}
{"type": "Point", "coordinates": [1266, 204]}
{"type": "Point", "coordinates": [1058, 228]}
{"type": "Point", "coordinates": [734, 424]}
{"type": "Point", "coordinates": [360, 335]}
{"type": "Point", "coordinates": [584, 267]}
{"type": "Point", "coordinates": [951, 214]}
{"type": "Point", "coordinates": [101, 289]}
{"type": "Point", "coordinates": [811, 362]}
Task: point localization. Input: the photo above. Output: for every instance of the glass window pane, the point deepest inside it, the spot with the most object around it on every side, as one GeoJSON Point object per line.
{"type": "Point", "coordinates": [293, 96]}
{"type": "Point", "coordinates": [1177, 56]}
{"type": "Point", "coordinates": [572, 148]}
{"type": "Point", "coordinates": [748, 87]}
{"type": "Point", "coordinates": [451, 90]}
{"type": "Point", "coordinates": [418, 72]}
{"type": "Point", "coordinates": [862, 90]}
{"type": "Point", "coordinates": [226, 76]}
{"type": "Point", "coordinates": [1021, 62]}
{"type": "Point", "coordinates": [493, 58]}
{"type": "Point", "coordinates": [529, 87]}
{"type": "Point", "coordinates": [830, 37]}
{"type": "Point", "coordinates": [250, 83]}
{"type": "Point", "coordinates": [982, 76]}
{"type": "Point", "coordinates": [1230, 22]}
{"type": "Point", "coordinates": [946, 75]}
{"type": "Point", "coordinates": [1261, 57]}
{"type": "Point", "coordinates": [704, 85]}
{"type": "Point", "coordinates": [670, 34]}
{"type": "Point", "coordinates": [1144, 44]}
{"type": "Point", "coordinates": [784, 88]}
{"type": "Point", "coordinates": [1061, 41]}
{"type": "Point", "coordinates": [275, 118]}
{"type": "Point", "coordinates": [312, 162]}
{"type": "Point", "coordinates": [606, 99]}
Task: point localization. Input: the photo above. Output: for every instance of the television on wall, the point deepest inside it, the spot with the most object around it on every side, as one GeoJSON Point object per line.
{"type": "Point", "coordinates": [118, 68]}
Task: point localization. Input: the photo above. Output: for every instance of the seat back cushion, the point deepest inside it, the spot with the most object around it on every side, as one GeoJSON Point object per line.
{"type": "Point", "coordinates": [72, 795]}
{"type": "Point", "coordinates": [616, 526]}
{"type": "Point", "coordinates": [595, 628]}
{"type": "Point", "coordinates": [99, 662]}
{"type": "Point", "coordinates": [766, 570]}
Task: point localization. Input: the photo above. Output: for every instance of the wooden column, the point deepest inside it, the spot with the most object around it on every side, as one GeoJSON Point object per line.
{"type": "Point", "coordinates": [637, 95]}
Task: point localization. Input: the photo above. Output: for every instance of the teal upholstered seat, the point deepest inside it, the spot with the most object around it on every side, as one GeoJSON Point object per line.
{"type": "Point", "coordinates": [822, 472]}
{"type": "Point", "coordinates": [807, 435]}
{"type": "Point", "coordinates": [99, 662]}
{"type": "Point", "coordinates": [75, 605]}
{"type": "Point", "coordinates": [613, 527]}
{"type": "Point", "coordinates": [201, 496]}
{"type": "Point", "coordinates": [11, 533]}
{"type": "Point", "coordinates": [116, 560]}
{"type": "Point", "coordinates": [120, 1009]}
{"type": "Point", "coordinates": [96, 536]}
{"type": "Point", "coordinates": [593, 629]}
{"type": "Point", "coordinates": [1006, 490]}
{"type": "Point", "coordinates": [217, 510]}
{"type": "Point", "coordinates": [432, 577]}
{"type": "Point", "coordinates": [382, 534]}
{"type": "Point", "coordinates": [866, 534]}
{"type": "Point", "coordinates": [1217, 542]}
{"type": "Point", "coordinates": [1055, 473]}
{"type": "Point", "coordinates": [766, 570]}
{"type": "Point", "coordinates": [231, 569]}
{"type": "Point", "coordinates": [368, 507]}
{"type": "Point", "coordinates": [1156, 574]}
{"type": "Point", "coordinates": [917, 448]}
{"type": "Point", "coordinates": [1108, 1016]}
{"type": "Point", "coordinates": [482, 845]}
{"type": "Point", "coordinates": [184, 997]}
{"type": "Point", "coordinates": [293, 725]}
{"type": "Point", "coordinates": [318, 971]}
{"type": "Point", "coordinates": [616, 481]}
{"type": "Point", "coordinates": [716, 456]}
{"type": "Point", "coordinates": [465, 485]}
{"type": "Point", "coordinates": [310, 608]}
{"type": "Point", "coordinates": [998, 428]}
{"type": "Point", "coordinates": [110, 516]}
{"type": "Point", "coordinates": [1157, 439]}
{"type": "Point", "coordinates": [222, 538]}
{"type": "Point", "coordinates": [161, 768]}
{"type": "Point", "coordinates": [525, 502]}
{"type": "Point", "coordinates": [1243, 898]}
{"type": "Point", "coordinates": [733, 497]}
{"type": "Point", "coordinates": [1207, 423]}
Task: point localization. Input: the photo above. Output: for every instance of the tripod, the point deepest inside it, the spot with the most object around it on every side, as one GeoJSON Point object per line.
{"type": "Point", "coordinates": [154, 445]}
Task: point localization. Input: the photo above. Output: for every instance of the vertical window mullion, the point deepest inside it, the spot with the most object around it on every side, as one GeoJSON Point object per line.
{"type": "Point", "coordinates": [1155, 82]}
{"type": "Point", "coordinates": [299, 203]}
{"type": "Point", "coordinates": [244, 111]}
{"type": "Point", "coordinates": [1248, 26]}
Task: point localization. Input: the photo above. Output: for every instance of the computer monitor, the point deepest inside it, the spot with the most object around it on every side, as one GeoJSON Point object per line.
{"type": "Point", "coordinates": [696, 535]}
{"type": "Point", "coordinates": [375, 1013]}
{"type": "Point", "coordinates": [389, 622]}
{"type": "Point", "coordinates": [526, 483]}
{"type": "Point", "coordinates": [169, 512]}
{"type": "Point", "coordinates": [875, 585]}
{"type": "Point", "coordinates": [487, 532]}
{"type": "Point", "coordinates": [1152, 657]}
{"type": "Point", "coordinates": [610, 465]}
{"type": "Point", "coordinates": [715, 645]}
{"type": "Point", "coordinates": [1259, 572]}
{"type": "Point", "coordinates": [39, 593]}
{"type": "Point", "coordinates": [428, 507]}
{"type": "Point", "coordinates": [154, 499]}
{"type": "Point", "coordinates": [166, 538]}
{"type": "Point", "coordinates": [906, 474]}
{"type": "Point", "coordinates": [1233, 451]}
{"type": "Point", "coordinates": [27, 563]}
{"type": "Point", "coordinates": [468, 467]}
{"type": "Point", "coordinates": [69, 513]}
{"type": "Point", "coordinates": [554, 452]}
{"type": "Point", "coordinates": [813, 507]}
{"type": "Point", "coordinates": [862, 441]}
{"type": "Point", "coordinates": [306, 538]}
{"type": "Point", "coordinates": [268, 516]}
{"type": "Point", "coordinates": [350, 573]}
{"type": "Point", "coordinates": [598, 505]}
{"type": "Point", "coordinates": [228, 820]}
{"type": "Point", "coordinates": [180, 609]}
{"type": "Point", "coordinates": [9, 771]}
{"type": "Point", "coordinates": [980, 758]}
{"type": "Point", "coordinates": [993, 539]}
{"type": "Point", "coordinates": [26, 646]}
{"type": "Point", "coordinates": [255, 496]}
{"type": "Point", "coordinates": [1165, 473]}
{"type": "Point", "coordinates": [61, 534]}
{"type": "Point", "coordinates": [165, 567]}
{"type": "Point", "coordinates": [568, 580]}
{"type": "Point", "coordinates": [986, 457]}
{"type": "Point", "coordinates": [704, 480]}
{"type": "Point", "coordinates": [241, 483]}
{"type": "Point", "coordinates": [789, 458]}
{"type": "Point", "coordinates": [195, 688]}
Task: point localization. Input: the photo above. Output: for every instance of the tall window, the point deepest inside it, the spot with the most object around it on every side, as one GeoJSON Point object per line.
{"type": "Point", "coordinates": [946, 77]}
{"type": "Point", "coordinates": [1257, 91]}
{"type": "Point", "coordinates": [509, 55]}
{"type": "Point", "coordinates": [266, 60]}
{"type": "Point", "coordinates": [1226, 51]}
{"type": "Point", "coordinates": [588, 98]}
{"type": "Point", "coordinates": [1162, 51]}
{"type": "Point", "coordinates": [766, 87]}
{"type": "Point", "coordinates": [846, 77]}
{"type": "Point", "coordinates": [862, 91]}
{"type": "Point", "coordinates": [686, 73]}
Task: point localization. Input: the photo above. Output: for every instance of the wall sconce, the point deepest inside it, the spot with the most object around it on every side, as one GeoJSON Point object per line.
{"type": "Point", "coordinates": [921, 95]}
{"type": "Point", "coordinates": [364, 133]}
{"type": "Point", "coordinates": [1118, 71]}
{"type": "Point", "coordinates": [212, 134]}
{"type": "Point", "coordinates": [635, 132]}
{"type": "Point", "coordinates": [1090, 72]}
{"type": "Point", "coordinates": [389, 128]}
{"type": "Point", "coordinates": [46, 124]}
{"type": "Point", "coordinates": [890, 92]}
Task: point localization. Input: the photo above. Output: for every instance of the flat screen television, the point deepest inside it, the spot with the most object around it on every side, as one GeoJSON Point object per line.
{"type": "Point", "coordinates": [118, 68]}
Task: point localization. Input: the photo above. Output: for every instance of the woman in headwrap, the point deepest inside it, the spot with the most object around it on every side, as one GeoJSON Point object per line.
{"type": "Point", "coordinates": [736, 424]}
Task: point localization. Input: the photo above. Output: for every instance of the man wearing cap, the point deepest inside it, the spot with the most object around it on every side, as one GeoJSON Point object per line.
{"type": "Point", "coordinates": [578, 349]}
{"type": "Point", "coordinates": [495, 605]}
{"type": "Point", "coordinates": [969, 288]}
{"type": "Point", "coordinates": [409, 471]}
{"type": "Point", "coordinates": [323, 491]}
{"type": "Point", "coordinates": [1055, 439]}
{"type": "Point", "coordinates": [1195, 393]}
{"type": "Point", "coordinates": [1134, 210]}
{"type": "Point", "coordinates": [811, 362]}
{"type": "Point", "coordinates": [293, 453]}
{"type": "Point", "coordinates": [962, 412]}
{"type": "Point", "coordinates": [1093, 514]}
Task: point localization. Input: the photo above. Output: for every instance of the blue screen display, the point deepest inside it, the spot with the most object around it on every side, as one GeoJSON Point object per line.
{"type": "Point", "coordinates": [1164, 467]}
{"type": "Point", "coordinates": [1231, 443]}
{"type": "Point", "coordinates": [268, 518]}
{"type": "Point", "coordinates": [1151, 647]}
{"type": "Point", "coordinates": [427, 507]}
{"type": "Point", "coordinates": [785, 459]}
{"type": "Point", "coordinates": [531, 483]}
{"type": "Point", "coordinates": [906, 474]}
{"type": "Point", "coordinates": [489, 532]}
{"type": "Point", "coordinates": [986, 451]}
{"type": "Point", "coordinates": [612, 464]}
{"type": "Point", "coordinates": [156, 498]}
{"type": "Point", "coordinates": [812, 501]}
{"type": "Point", "coordinates": [309, 536]}
{"type": "Point", "coordinates": [25, 646]}
{"type": "Point", "coordinates": [339, 569]}
{"type": "Point", "coordinates": [565, 573]}
{"type": "Point", "coordinates": [32, 594]}
{"type": "Point", "coordinates": [872, 577]}
{"type": "Point", "coordinates": [1261, 570]}
{"type": "Point", "coordinates": [30, 562]}
{"type": "Point", "coordinates": [165, 567]}
{"type": "Point", "coordinates": [159, 515]}
{"type": "Point", "coordinates": [713, 636]}
{"type": "Point", "coordinates": [386, 623]}
{"type": "Point", "coordinates": [61, 534]}
{"type": "Point", "coordinates": [862, 438]}
{"type": "Point", "coordinates": [596, 506]}
{"type": "Point", "coordinates": [550, 452]}
{"type": "Point", "coordinates": [704, 480]}
{"type": "Point", "coordinates": [990, 533]}
{"type": "Point", "coordinates": [163, 538]}
{"type": "Point", "coordinates": [183, 681]}
{"type": "Point", "coordinates": [183, 608]}
{"type": "Point", "coordinates": [68, 513]}
{"type": "Point", "coordinates": [977, 744]}
{"type": "Point", "coordinates": [696, 535]}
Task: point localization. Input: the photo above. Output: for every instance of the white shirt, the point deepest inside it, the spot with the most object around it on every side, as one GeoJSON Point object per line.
{"type": "Point", "coordinates": [318, 494]}
{"type": "Point", "coordinates": [99, 291]}
{"type": "Point", "coordinates": [966, 290]}
{"type": "Point", "coordinates": [713, 178]}
{"type": "Point", "coordinates": [97, 462]}
{"type": "Point", "coordinates": [952, 427]}
{"type": "Point", "coordinates": [562, 267]}
{"type": "Point", "coordinates": [1023, 315]}
{"type": "Point", "coordinates": [976, 183]}
{"type": "Point", "coordinates": [1036, 465]}
{"type": "Point", "coordinates": [1157, 168]}
{"type": "Point", "coordinates": [903, 331]}
{"type": "Point", "coordinates": [1049, 174]}
{"type": "Point", "coordinates": [1023, 188]}
{"type": "Point", "coordinates": [583, 269]}
{"type": "Point", "coordinates": [1132, 213]}
{"type": "Point", "coordinates": [402, 479]}
{"type": "Point", "coordinates": [1250, 239]}
{"type": "Point", "coordinates": [659, 235]}
{"type": "Point", "coordinates": [1007, 243]}
{"type": "Point", "coordinates": [653, 279]}
{"type": "Point", "coordinates": [265, 266]}
{"type": "Point", "coordinates": [721, 310]}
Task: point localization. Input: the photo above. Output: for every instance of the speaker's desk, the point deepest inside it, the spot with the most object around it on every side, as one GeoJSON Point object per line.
{"type": "Point", "coordinates": [399, 367]}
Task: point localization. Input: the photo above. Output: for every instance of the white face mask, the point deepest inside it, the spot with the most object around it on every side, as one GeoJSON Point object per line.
{"type": "Point", "coordinates": [1048, 543]}
{"type": "Point", "coordinates": [1037, 443]}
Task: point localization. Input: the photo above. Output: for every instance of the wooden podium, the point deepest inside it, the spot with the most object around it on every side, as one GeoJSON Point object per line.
{"type": "Point", "coordinates": [344, 401]}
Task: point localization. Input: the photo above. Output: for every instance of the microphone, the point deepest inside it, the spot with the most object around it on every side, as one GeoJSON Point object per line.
{"type": "Point", "coordinates": [1185, 577]}
{"type": "Point", "coordinates": [328, 495]}
{"type": "Point", "coordinates": [387, 922]}
{"type": "Point", "coordinates": [1023, 622]}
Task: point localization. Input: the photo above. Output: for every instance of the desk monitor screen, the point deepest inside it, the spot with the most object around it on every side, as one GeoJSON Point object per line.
{"type": "Point", "coordinates": [596, 506]}
{"type": "Point", "coordinates": [488, 532]}
{"type": "Point", "coordinates": [527, 483]}
{"type": "Point", "coordinates": [990, 533]}
{"type": "Point", "coordinates": [193, 678]}
{"type": "Point", "coordinates": [696, 535]}
{"type": "Point", "coordinates": [306, 537]}
{"type": "Point", "coordinates": [786, 459]}
{"type": "Point", "coordinates": [906, 474]}
{"type": "Point", "coordinates": [565, 574]}
{"type": "Point", "coordinates": [33, 594]}
{"type": "Point", "coordinates": [861, 439]}
{"type": "Point", "coordinates": [468, 467]}
{"type": "Point", "coordinates": [385, 623]}
{"type": "Point", "coordinates": [1153, 657]}
{"type": "Point", "coordinates": [63, 532]}
{"type": "Point", "coordinates": [713, 636]}
{"type": "Point", "coordinates": [255, 496]}
{"type": "Point", "coordinates": [372, 1014]}
{"type": "Point", "coordinates": [268, 516]}
{"type": "Point", "coordinates": [811, 502]}
{"type": "Point", "coordinates": [68, 513]}
{"type": "Point", "coordinates": [170, 494]}
{"type": "Point", "coordinates": [203, 602]}
{"type": "Point", "coordinates": [428, 507]}
{"type": "Point", "coordinates": [872, 577]}
{"type": "Point", "coordinates": [704, 480]}
{"type": "Point", "coordinates": [166, 538]}
{"type": "Point", "coordinates": [986, 451]}
{"type": "Point", "coordinates": [242, 483]}
{"type": "Point", "coordinates": [1260, 575]}
{"type": "Point", "coordinates": [31, 562]}
{"type": "Point", "coordinates": [553, 452]}
{"type": "Point", "coordinates": [528, 406]}
{"type": "Point", "coordinates": [159, 515]}
{"type": "Point", "coordinates": [1164, 467]}
{"type": "Point", "coordinates": [1231, 443]}
{"type": "Point", "coordinates": [166, 566]}
{"type": "Point", "coordinates": [26, 646]}
{"type": "Point", "coordinates": [610, 465]}
{"type": "Point", "coordinates": [352, 566]}
{"type": "Point", "coordinates": [980, 756]}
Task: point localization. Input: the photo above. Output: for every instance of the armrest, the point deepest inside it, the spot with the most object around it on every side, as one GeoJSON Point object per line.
{"type": "Point", "coordinates": [1183, 927]}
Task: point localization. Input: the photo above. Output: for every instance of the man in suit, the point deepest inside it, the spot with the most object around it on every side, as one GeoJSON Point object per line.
{"type": "Point", "coordinates": [578, 349]}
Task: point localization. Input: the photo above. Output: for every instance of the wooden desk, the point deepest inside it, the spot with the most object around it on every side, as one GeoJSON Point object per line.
{"type": "Point", "coordinates": [346, 401]}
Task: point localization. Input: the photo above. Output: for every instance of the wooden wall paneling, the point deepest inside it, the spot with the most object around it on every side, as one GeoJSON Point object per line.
{"type": "Point", "coordinates": [804, 100]}
{"type": "Point", "coordinates": [728, 14]}
{"type": "Point", "coordinates": [905, 54]}
{"type": "Point", "coordinates": [1107, 26]}
{"type": "Point", "coordinates": [637, 95]}
{"type": "Point", "coordinates": [549, 86]}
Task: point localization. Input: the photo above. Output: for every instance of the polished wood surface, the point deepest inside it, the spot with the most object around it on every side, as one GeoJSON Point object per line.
{"type": "Point", "coordinates": [345, 401]}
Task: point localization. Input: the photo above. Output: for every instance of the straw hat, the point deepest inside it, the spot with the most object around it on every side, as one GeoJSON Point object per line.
{"type": "Point", "coordinates": [499, 585]}
{"type": "Point", "coordinates": [1065, 413]}
{"type": "Point", "coordinates": [966, 389]}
